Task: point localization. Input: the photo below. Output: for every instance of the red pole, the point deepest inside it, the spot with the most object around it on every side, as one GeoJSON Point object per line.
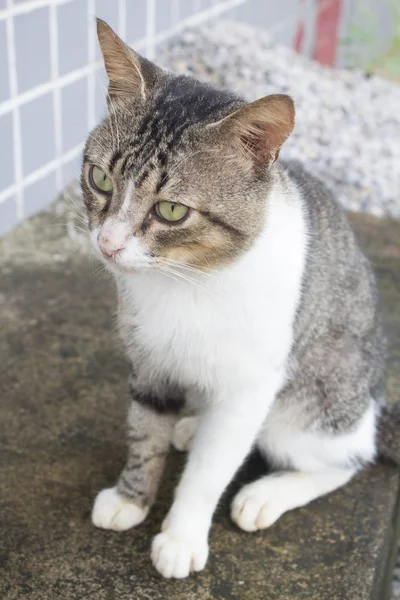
{"type": "Point", "coordinates": [300, 31]}
{"type": "Point", "coordinates": [326, 31]}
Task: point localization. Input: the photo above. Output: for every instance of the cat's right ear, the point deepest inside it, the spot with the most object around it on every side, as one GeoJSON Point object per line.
{"type": "Point", "coordinates": [130, 75]}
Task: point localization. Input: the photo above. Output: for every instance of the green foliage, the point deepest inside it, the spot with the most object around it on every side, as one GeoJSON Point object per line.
{"type": "Point", "coordinates": [361, 41]}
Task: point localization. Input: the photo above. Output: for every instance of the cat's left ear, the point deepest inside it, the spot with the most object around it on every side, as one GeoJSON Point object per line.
{"type": "Point", "coordinates": [130, 75]}
{"type": "Point", "coordinates": [259, 129]}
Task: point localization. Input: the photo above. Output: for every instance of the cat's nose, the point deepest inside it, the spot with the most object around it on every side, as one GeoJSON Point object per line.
{"type": "Point", "coordinates": [111, 243]}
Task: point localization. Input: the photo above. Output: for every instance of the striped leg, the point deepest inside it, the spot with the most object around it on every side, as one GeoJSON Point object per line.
{"type": "Point", "coordinates": [151, 420]}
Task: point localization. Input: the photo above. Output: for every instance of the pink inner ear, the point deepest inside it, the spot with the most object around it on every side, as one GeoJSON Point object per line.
{"type": "Point", "coordinates": [263, 142]}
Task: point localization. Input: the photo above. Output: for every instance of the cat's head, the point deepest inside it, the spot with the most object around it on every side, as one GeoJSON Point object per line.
{"type": "Point", "coordinates": [178, 172]}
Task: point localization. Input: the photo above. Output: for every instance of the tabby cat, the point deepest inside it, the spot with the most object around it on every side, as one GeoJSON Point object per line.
{"type": "Point", "coordinates": [245, 303]}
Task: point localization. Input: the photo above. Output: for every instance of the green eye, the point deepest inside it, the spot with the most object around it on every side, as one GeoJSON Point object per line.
{"type": "Point", "coordinates": [100, 180]}
{"type": "Point", "coordinates": [171, 211]}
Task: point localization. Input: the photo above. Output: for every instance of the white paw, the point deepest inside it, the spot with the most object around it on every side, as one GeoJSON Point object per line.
{"type": "Point", "coordinates": [177, 557]}
{"type": "Point", "coordinates": [184, 431]}
{"type": "Point", "coordinates": [113, 511]}
{"type": "Point", "coordinates": [258, 505]}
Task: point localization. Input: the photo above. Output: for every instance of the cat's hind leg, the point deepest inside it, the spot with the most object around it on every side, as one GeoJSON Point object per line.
{"type": "Point", "coordinates": [315, 464]}
{"type": "Point", "coordinates": [259, 504]}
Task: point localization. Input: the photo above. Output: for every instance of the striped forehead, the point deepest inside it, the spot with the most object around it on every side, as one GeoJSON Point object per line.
{"type": "Point", "coordinates": [180, 104]}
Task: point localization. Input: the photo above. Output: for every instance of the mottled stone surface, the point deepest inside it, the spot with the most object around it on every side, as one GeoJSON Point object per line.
{"type": "Point", "coordinates": [63, 399]}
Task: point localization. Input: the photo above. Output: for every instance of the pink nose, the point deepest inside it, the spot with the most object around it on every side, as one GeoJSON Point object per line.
{"type": "Point", "coordinates": [110, 245]}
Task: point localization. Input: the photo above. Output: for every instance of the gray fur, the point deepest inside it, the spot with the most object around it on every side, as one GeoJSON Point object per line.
{"type": "Point", "coordinates": [389, 433]}
{"type": "Point", "coordinates": [149, 436]}
{"type": "Point", "coordinates": [338, 358]}
{"type": "Point", "coordinates": [337, 362]}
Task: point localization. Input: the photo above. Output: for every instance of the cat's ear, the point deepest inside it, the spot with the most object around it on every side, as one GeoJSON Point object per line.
{"type": "Point", "coordinates": [259, 129]}
{"type": "Point", "coordinates": [130, 75]}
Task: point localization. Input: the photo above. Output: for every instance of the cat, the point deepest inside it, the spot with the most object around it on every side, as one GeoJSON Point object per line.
{"type": "Point", "coordinates": [248, 311]}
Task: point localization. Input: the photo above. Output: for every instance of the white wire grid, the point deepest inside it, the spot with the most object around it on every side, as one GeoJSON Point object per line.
{"type": "Point", "coordinates": [16, 99]}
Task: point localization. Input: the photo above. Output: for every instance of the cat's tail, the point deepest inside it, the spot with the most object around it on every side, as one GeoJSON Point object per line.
{"type": "Point", "coordinates": [389, 433]}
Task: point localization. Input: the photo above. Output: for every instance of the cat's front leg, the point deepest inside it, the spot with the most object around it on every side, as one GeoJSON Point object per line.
{"type": "Point", "coordinates": [224, 437]}
{"type": "Point", "coordinates": [151, 419]}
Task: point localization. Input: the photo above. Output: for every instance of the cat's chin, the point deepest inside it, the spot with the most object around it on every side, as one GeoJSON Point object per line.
{"type": "Point", "coordinates": [117, 268]}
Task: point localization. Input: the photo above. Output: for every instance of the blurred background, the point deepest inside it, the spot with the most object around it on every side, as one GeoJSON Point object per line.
{"type": "Point", "coordinates": [52, 86]}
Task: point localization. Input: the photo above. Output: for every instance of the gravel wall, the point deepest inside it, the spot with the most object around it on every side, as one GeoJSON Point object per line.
{"type": "Point", "coordinates": [348, 126]}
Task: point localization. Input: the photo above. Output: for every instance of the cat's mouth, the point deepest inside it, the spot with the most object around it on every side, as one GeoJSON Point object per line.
{"type": "Point", "coordinates": [117, 263]}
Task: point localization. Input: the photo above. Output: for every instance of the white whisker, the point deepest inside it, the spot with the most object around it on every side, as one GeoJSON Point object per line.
{"type": "Point", "coordinates": [96, 139]}
{"type": "Point", "coordinates": [113, 112]}
{"type": "Point", "coordinates": [170, 275]}
{"type": "Point", "coordinates": [189, 280]}
{"type": "Point", "coordinates": [111, 123]}
{"type": "Point", "coordinates": [184, 265]}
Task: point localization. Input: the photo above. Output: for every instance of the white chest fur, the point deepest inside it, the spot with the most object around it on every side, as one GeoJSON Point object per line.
{"type": "Point", "coordinates": [230, 325]}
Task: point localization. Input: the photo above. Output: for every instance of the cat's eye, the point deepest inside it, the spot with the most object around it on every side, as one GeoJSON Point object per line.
{"type": "Point", "coordinates": [173, 212]}
{"type": "Point", "coordinates": [100, 180]}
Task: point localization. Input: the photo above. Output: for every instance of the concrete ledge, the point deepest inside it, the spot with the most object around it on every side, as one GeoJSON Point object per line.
{"type": "Point", "coordinates": [63, 399]}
